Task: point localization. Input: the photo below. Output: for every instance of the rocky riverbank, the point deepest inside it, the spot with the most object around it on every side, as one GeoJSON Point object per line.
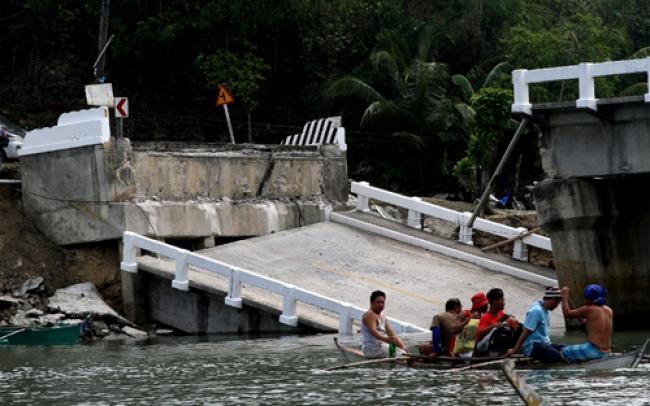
{"type": "Point", "coordinates": [30, 306]}
{"type": "Point", "coordinates": [25, 253]}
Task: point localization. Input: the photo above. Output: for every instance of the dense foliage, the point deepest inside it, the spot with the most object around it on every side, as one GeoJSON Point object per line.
{"type": "Point", "coordinates": [407, 75]}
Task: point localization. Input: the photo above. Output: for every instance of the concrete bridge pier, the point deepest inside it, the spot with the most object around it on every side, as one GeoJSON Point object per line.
{"type": "Point", "coordinates": [594, 204]}
{"type": "Point", "coordinates": [599, 229]}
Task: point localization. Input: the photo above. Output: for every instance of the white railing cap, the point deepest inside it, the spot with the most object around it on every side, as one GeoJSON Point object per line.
{"type": "Point", "coordinates": [584, 73]}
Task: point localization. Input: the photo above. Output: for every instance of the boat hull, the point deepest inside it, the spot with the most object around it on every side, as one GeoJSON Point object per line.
{"type": "Point", "coordinates": [54, 335]}
{"type": "Point", "coordinates": [624, 360]}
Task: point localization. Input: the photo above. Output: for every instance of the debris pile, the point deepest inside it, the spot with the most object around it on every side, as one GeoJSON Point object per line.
{"type": "Point", "coordinates": [28, 306]}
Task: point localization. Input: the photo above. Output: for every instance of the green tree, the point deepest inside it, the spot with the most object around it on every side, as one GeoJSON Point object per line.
{"type": "Point", "coordinates": [243, 74]}
{"type": "Point", "coordinates": [492, 122]}
{"type": "Point", "coordinates": [408, 94]}
{"type": "Point", "coordinates": [580, 38]}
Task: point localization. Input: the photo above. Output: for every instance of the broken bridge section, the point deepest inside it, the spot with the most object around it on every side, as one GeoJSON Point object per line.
{"type": "Point", "coordinates": [80, 185]}
{"type": "Point", "coordinates": [338, 263]}
{"type": "Point", "coordinates": [596, 155]}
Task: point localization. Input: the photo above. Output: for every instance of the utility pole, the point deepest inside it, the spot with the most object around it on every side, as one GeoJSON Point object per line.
{"type": "Point", "coordinates": [103, 35]}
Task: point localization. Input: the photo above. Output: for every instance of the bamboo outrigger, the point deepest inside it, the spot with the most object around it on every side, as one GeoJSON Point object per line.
{"type": "Point", "coordinates": [630, 359]}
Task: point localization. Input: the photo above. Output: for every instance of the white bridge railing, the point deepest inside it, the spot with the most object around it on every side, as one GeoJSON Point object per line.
{"type": "Point", "coordinates": [416, 208]}
{"type": "Point", "coordinates": [584, 72]}
{"type": "Point", "coordinates": [291, 294]}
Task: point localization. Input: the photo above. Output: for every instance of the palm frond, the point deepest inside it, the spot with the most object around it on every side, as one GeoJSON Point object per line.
{"type": "Point", "coordinates": [641, 53]}
{"type": "Point", "coordinates": [448, 136]}
{"type": "Point", "coordinates": [381, 109]}
{"type": "Point", "coordinates": [496, 72]}
{"type": "Point", "coordinates": [349, 86]}
{"type": "Point", "coordinates": [634, 90]}
{"type": "Point", "coordinates": [417, 140]}
{"type": "Point", "coordinates": [427, 43]}
{"type": "Point", "coordinates": [395, 45]}
{"type": "Point", "coordinates": [466, 111]}
{"type": "Point", "coordinates": [463, 83]}
{"type": "Point", "coordinates": [384, 60]}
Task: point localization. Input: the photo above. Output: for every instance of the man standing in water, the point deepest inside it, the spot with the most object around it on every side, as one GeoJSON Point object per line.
{"type": "Point", "coordinates": [598, 322]}
{"type": "Point", "coordinates": [375, 329]}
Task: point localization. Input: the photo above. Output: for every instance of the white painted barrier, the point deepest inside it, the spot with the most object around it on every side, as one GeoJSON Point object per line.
{"type": "Point", "coordinates": [451, 252]}
{"type": "Point", "coordinates": [584, 72]}
{"type": "Point", "coordinates": [319, 132]}
{"type": "Point", "coordinates": [290, 294]}
{"type": "Point", "coordinates": [416, 208]}
{"type": "Point", "coordinates": [73, 130]}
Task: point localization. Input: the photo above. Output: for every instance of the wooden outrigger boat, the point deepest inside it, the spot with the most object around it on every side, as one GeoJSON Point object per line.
{"type": "Point", "coordinates": [58, 334]}
{"type": "Point", "coordinates": [629, 359]}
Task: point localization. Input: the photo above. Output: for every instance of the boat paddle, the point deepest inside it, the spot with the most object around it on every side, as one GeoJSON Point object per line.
{"type": "Point", "coordinates": [367, 362]}
{"type": "Point", "coordinates": [525, 391]}
{"type": "Point", "coordinates": [477, 365]}
{"type": "Point", "coordinates": [490, 362]}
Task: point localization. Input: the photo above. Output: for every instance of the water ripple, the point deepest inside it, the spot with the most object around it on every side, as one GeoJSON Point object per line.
{"type": "Point", "coordinates": [276, 371]}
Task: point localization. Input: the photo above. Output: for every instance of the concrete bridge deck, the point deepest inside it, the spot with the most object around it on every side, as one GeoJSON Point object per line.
{"type": "Point", "coordinates": [346, 264]}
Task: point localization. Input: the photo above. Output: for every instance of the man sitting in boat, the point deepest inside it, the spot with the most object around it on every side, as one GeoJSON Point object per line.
{"type": "Point", "coordinates": [497, 331]}
{"type": "Point", "coordinates": [376, 333]}
{"type": "Point", "coordinates": [598, 323]}
{"type": "Point", "coordinates": [465, 341]}
{"type": "Point", "coordinates": [535, 339]}
{"type": "Point", "coordinates": [445, 325]}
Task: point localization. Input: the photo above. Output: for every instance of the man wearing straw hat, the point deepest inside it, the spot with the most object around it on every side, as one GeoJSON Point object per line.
{"type": "Point", "coordinates": [534, 338]}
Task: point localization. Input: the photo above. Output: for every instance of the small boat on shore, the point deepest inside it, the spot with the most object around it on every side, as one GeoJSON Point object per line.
{"type": "Point", "coordinates": [58, 334]}
{"type": "Point", "coordinates": [630, 359]}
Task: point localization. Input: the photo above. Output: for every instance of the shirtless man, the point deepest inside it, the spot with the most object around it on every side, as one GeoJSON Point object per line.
{"type": "Point", "coordinates": [375, 329]}
{"type": "Point", "coordinates": [445, 326]}
{"type": "Point", "coordinates": [598, 322]}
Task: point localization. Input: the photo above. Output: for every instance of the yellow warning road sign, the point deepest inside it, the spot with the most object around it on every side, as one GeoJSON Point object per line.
{"type": "Point", "coordinates": [224, 96]}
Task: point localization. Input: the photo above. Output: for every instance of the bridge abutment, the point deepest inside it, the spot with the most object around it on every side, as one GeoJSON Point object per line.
{"type": "Point", "coordinates": [599, 229]}
{"type": "Point", "coordinates": [594, 204]}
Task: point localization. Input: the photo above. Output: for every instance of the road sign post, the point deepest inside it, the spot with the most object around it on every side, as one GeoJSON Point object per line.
{"type": "Point", "coordinates": [121, 112]}
{"type": "Point", "coordinates": [224, 98]}
{"type": "Point", "coordinates": [232, 136]}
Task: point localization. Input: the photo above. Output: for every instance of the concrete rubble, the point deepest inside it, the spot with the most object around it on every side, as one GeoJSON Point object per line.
{"type": "Point", "coordinates": [82, 299]}
{"type": "Point", "coordinates": [30, 285]}
{"type": "Point", "coordinates": [29, 306]}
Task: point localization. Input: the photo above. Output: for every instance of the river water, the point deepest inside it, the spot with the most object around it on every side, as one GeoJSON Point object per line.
{"type": "Point", "coordinates": [280, 370]}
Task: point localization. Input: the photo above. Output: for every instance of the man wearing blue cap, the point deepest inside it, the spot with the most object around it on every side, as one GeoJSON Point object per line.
{"type": "Point", "coordinates": [598, 322]}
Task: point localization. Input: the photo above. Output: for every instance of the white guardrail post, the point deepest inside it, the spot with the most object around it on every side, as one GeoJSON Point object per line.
{"type": "Point", "coordinates": [465, 233]}
{"type": "Point", "coordinates": [521, 102]}
{"type": "Point", "coordinates": [586, 87]}
{"type": "Point", "coordinates": [345, 320]}
{"type": "Point", "coordinates": [180, 281]}
{"type": "Point", "coordinates": [288, 315]}
{"type": "Point", "coordinates": [520, 248]}
{"type": "Point", "coordinates": [128, 263]}
{"type": "Point", "coordinates": [362, 200]}
{"type": "Point", "coordinates": [414, 218]}
{"type": "Point", "coordinates": [234, 289]}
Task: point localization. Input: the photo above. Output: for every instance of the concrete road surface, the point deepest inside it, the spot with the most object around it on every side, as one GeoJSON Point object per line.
{"type": "Point", "coordinates": [344, 263]}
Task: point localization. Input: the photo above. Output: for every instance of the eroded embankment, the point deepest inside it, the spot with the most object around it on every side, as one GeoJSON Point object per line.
{"type": "Point", "coordinates": [25, 253]}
